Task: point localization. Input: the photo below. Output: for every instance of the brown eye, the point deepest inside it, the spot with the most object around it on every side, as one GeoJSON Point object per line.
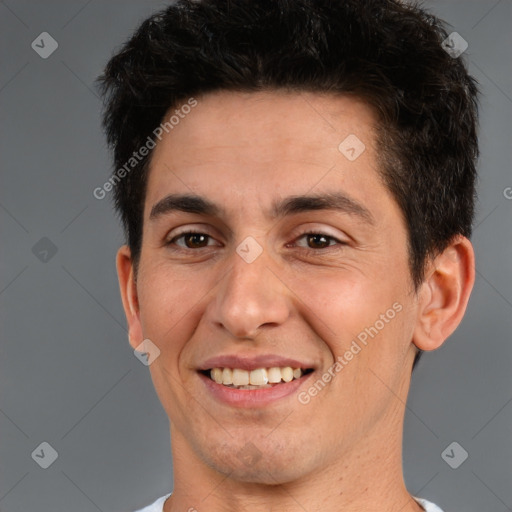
{"type": "Point", "coordinates": [192, 240]}
{"type": "Point", "coordinates": [318, 241]}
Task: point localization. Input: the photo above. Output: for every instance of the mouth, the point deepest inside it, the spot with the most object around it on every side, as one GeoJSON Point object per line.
{"type": "Point", "coordinates": [259, 378]}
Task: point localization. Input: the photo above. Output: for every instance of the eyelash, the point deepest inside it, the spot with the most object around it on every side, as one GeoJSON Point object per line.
{"type": "Point", "coordinates": [301, 235]}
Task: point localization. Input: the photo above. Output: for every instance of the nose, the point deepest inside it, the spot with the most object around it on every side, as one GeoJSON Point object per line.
{"type": "Point", "coordinates": [250, 297]}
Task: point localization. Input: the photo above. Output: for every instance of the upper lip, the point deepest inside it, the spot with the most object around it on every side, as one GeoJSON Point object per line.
{"type": "Point", "coordinates": [252, 362]}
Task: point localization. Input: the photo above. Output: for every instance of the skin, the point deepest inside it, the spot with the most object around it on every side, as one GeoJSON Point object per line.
{"type": "Point", "coordinates": [343, 449]}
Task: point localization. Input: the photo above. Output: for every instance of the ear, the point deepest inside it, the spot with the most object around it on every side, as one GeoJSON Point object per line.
{"type": "Point", "coordinates": [444, 294]}
{"type": "Point", "coordinates": [128, 287]}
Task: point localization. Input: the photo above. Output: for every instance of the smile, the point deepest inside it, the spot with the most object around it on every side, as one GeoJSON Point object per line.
{"type": "Point", "coordinates": [259, 378]}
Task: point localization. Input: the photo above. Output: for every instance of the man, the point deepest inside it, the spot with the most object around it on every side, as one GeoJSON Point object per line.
{"type": "Point", "coordinates": [296, 182]}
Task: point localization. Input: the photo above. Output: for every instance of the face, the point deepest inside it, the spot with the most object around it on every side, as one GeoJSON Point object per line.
{"type": "Point", "coordinates": [291, 254]}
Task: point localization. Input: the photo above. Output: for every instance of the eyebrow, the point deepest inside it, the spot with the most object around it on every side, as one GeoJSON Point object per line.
{"type": "Point", "coordinates": [190, 203]}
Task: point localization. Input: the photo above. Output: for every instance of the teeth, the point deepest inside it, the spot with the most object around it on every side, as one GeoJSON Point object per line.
{"type": "Point", "coordinates": [287, 374]}
{"type": "Point", "coordinates": [254, 387]}
{"type": "Point", "coordinates": [259, 378]}
{"type": "Point", "coordinates": [216, 375]}
{"type": "Point", "coordinates": [227, 376]}
{"type": "Point", "coordinates": [240, 377]}
{"type": "Point", "coordinates": [274, 375]}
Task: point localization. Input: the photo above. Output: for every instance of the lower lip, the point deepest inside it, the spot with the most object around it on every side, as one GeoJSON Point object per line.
{"type": "Point", "coordinates": [252, 397]}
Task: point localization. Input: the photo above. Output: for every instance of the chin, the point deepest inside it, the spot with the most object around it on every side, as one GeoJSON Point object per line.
{"type": "Point", "coordinates": [243, 462]}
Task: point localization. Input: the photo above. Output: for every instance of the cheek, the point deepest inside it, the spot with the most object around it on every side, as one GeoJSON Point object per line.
{"type": "Point", "coordinates": [166, 309]}
{"type": "Point", "coordinates": [361, 316]}
{"type": "Point", "coordinates": [345, 302]}
{"type": "Point", "coordinates": [172, 305]}
{"type": "Point", "coordinates": [164, 300]}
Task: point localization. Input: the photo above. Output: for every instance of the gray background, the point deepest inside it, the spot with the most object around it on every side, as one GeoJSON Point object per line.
{"type": "Point", "coordinates": [68, 376]}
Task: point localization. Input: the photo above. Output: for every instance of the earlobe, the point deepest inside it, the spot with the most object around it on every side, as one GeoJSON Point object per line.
{"type": "Point", "coordinates": [444, 294]}
{"type": "Point", "coordinates": [129, 296]}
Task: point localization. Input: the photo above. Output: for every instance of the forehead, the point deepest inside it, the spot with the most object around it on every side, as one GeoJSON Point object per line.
{"type": "Point", "coordinates": [253, 145]}
{"type": "Point", "coordinates": [303, 121]}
